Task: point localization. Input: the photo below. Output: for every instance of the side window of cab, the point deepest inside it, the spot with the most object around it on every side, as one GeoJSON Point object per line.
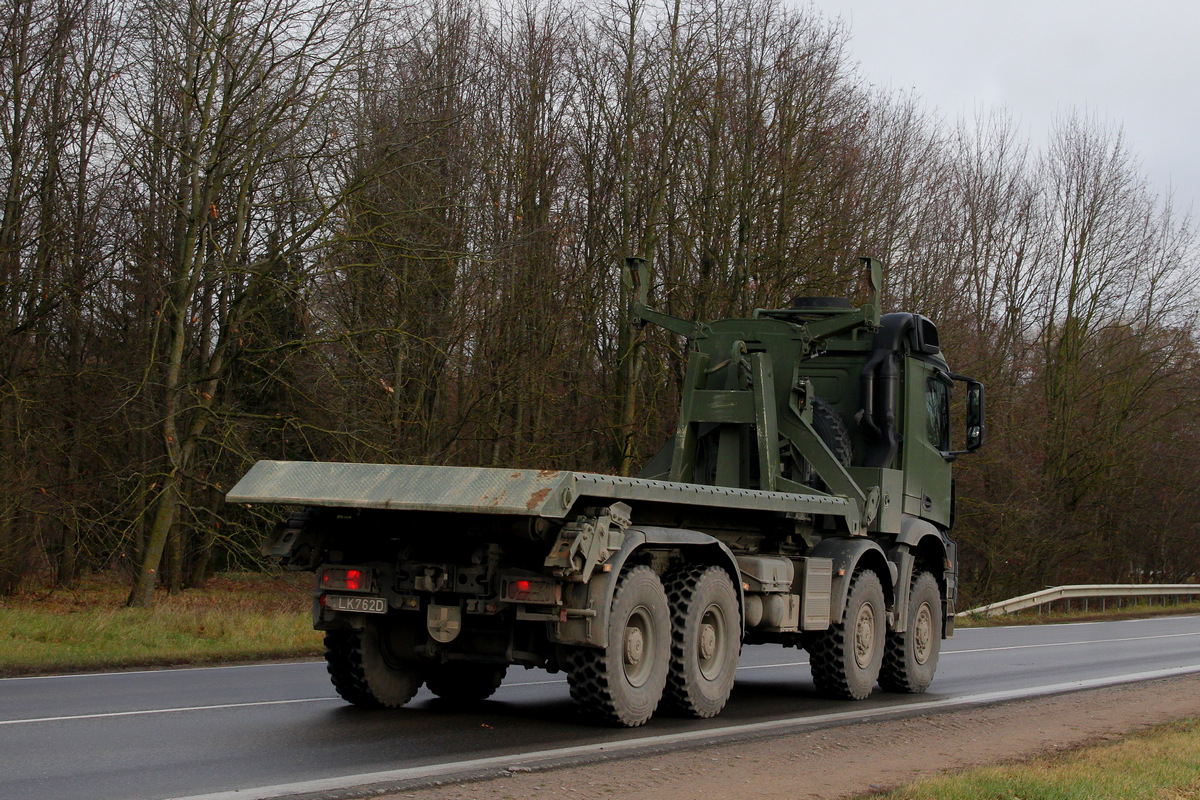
{"type": "Point", "coordinates": [937, 413]}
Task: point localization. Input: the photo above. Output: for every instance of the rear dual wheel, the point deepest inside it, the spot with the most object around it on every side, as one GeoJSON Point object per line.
{"type": "Point", "coordinates": [622, 684]}
{"type": "Point", "coordinates": [368, 667]}
{"type": "Point", "coordinates": [706, 640]}
{"type": "Point", "coordinates": [677, 644]}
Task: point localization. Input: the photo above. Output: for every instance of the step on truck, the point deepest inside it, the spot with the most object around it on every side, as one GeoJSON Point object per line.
{"type": "Point", "coordinates": [805, 499]}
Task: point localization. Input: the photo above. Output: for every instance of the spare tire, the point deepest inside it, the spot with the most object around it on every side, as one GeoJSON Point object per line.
{"type": "Point", "coordinates": [828, 424]}
{"type": "Point", "coordinates": [833, 432]}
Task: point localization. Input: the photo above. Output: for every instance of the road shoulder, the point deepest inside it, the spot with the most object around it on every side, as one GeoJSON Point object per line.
{"type": "Point", "coordinates": [840, 762]}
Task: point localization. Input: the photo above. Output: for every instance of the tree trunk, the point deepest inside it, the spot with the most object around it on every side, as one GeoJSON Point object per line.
{"type": "Point", "coordinates": [165, 511]}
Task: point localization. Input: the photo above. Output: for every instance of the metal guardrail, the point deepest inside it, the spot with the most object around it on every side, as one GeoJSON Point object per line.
{"type": "Point", "coordinates": [1103, 592]}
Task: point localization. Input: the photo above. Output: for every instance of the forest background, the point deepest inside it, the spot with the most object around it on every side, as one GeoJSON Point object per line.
{"type": "Point", "coordinates": [388, 231]}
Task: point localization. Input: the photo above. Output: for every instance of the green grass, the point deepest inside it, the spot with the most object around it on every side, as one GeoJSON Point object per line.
{"type": "Point", "coordinates": [235, 617]}
{"type": "Point", "coordinates": [1130, 611]}
{"type": "Point", "coordinates": [1160, 764]}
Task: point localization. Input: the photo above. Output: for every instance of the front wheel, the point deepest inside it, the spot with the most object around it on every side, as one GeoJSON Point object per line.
{"type": "Point", "coordinates": [910, 658]}
{"type": "Point", "coordinates": [846, 659]}
{"type": "Point", "coordinates": [621, 684]}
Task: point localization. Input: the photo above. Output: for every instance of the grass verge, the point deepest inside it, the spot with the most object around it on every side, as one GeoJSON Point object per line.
{"type": "Point", "coordinates": [238, 617]}
{"type": "Point", "coordinates": [1162, 763]}
{"type": "Point", "coordinates": [1128, 611]}
{"type": "Point", "coordinates": [235, 617]}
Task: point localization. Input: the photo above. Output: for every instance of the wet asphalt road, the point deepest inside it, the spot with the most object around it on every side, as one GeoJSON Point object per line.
{"type": "Point", "coordinates": [186, 732]}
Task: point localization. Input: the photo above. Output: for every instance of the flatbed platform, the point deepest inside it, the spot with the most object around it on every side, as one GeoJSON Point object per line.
{"type": "Point", "coordinates": [485, 490]}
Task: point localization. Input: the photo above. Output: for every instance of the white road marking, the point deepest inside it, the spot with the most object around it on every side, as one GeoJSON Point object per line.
{"type": "Point", "coordinates": [159, 671]}
{"type": "Point", "coordinates": [222, 706]}
{"type": "Point", "coordinates": [1070, 644]}
{"type": "Point", "coordinates": [490, 766]}
{"type": "Point", "coordinates": [110, 714]}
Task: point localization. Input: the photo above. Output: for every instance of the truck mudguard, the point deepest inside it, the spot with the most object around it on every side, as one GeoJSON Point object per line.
{"type": "Point", "coordinates": [847, 556]}
{"type": "Point", "coordinates": [920, 540]}
{"type": "Point", "coordinates": [914, 529]}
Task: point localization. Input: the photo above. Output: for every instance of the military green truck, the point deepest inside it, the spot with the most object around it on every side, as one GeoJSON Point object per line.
{"type": "Point", "coordinates": [805, 499]}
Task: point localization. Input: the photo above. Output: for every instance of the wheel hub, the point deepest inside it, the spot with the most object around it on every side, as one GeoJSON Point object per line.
{"type": "Point", "coordinates": [638, 644]}
{"type": "Point", "coordinates": [635, 646]}
{"type": "Point", "coordinates": [712, 643]}
{"type": "Point", "coordinates": [923, 634]}
{"type": "Point", "coordinates": [708, 641]}
{"type": "Point", "coordinates": [864, 636]}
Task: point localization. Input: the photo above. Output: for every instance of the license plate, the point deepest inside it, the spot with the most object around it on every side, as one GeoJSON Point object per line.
{"type": "Point", "coordinates": [365, 605]}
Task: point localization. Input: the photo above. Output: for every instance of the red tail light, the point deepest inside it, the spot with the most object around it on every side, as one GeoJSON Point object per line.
{"type": "Point", "coordinates": [530, 590]}
{"type": "Point", "coordinates": [346, 579]}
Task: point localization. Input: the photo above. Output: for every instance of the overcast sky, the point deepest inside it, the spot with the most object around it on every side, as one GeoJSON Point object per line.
{"type": "Point", "coordinates": [1133, 62]}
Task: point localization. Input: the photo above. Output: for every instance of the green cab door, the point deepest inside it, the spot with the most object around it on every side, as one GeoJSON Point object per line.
{"type": "Point", "coordinates": [926, 441]}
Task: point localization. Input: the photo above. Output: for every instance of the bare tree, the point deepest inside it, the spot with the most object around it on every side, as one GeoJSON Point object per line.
{"type": "Point", "coordinates": [239, 89]}
{"type": "Point", "coordinates": [1114, 288]}
{"type": "Point", "coordinates": [236, 228]}
{"type": "Point", "coordinates": [55, 70]}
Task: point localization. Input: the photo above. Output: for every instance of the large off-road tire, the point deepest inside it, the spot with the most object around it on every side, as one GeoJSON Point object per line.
{"type": "Point", "coordinates": [830, 426]}
{"type": "Point", "coordinates": [365, 669]}
{"type": "Point", "coordinates": [910, 658]}
{"type": "Point", "coordinates": [705, 640]}
{"type": "Point", "coordinates": [846, 659]}
{"type": "Point", "coordinates": [464, 681]}
{"type": "Point", "coordinates": [622, 684]}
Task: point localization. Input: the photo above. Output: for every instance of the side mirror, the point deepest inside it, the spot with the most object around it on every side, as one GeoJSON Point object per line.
{"type": "Point", "coordinates": [975, 403]}
{"type": "Point", "coordinates": [974, 415]}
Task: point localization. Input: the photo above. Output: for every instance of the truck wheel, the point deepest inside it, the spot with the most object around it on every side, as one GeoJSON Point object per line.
{"type": "Point", "coordinates": [463, 681]}
{"type": "Point", "coordinates": [910, 658]}
{"type": "Point", "coordinates": [365, 669]}
{"type": "Point", "coordinates": [622, 684]}
{"type": "Point", "coordinates": [705, 640]}
{"type": "Point", "coordinates": [846, 659]}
